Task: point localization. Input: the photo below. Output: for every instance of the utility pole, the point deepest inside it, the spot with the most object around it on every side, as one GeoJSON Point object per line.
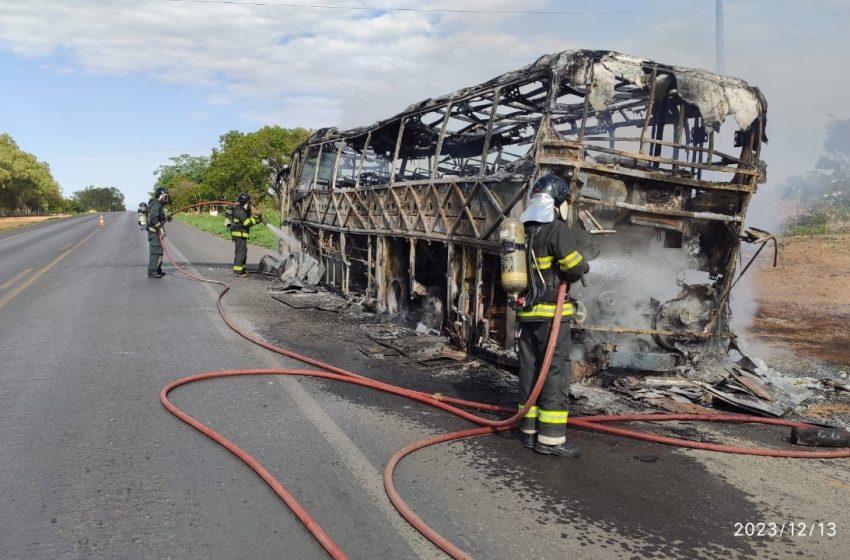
{"type": "Point", "coordinates": [719, 63]}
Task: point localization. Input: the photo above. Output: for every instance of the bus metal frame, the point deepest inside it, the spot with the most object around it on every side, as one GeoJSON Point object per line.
{"type": "Point", "coordinates": [406, 211]}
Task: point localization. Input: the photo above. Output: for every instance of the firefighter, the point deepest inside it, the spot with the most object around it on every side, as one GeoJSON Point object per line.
{"type": "Point", "coordinates": [553, 258]}
{"type": "Point", "coordinates": [243, 221]}
{"type": "Point", "coordinates": [156, 219]}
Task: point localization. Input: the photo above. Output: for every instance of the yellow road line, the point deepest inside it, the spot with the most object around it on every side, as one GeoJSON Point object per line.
{"type": "Point", "coordinates": [8, 283]}
{"type": "Point", "coordinates": [11, 295]}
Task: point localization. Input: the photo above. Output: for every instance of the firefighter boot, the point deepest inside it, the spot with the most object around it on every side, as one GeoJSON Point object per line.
{"type": "Point", "coordinates": [560, 450]}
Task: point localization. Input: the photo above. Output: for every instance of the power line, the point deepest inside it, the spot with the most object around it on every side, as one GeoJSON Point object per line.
{"type": "Point", "coordinates": [436, 10]}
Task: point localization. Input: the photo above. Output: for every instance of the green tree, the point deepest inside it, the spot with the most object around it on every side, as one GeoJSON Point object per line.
{"type": "Point", "coordinates": [26, 184]}
{"type": "Point", "coordinates": [275, 146]}
{"type": "Point", "coordinates": [100, 199]}
{"type": "Point", "coordinates": [184, 179]}
{"type": "Point", "coordinates": [252, 162]}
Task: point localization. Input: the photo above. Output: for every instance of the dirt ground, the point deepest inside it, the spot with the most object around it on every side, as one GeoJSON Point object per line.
{"type": "Point", "coordinates": [20, 221]}
{"type": "Point", "coordinates": [804, 303]}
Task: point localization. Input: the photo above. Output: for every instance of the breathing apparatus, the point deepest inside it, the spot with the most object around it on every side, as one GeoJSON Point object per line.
{"type": "Point", "coordinates": [142, 215]}
{"type": "Point", "coordinates": [228, 217]}
{"type": "Point", "coordinates": [516, 238]}
{"type": "Point", "coordinates": [514, 262]}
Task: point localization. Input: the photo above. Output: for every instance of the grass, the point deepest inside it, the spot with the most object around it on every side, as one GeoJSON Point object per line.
{"type": "Point", "coordinates": [810, 230]}
{"type": "Point", "coordinates": [819, 220]}
{"type": "Point", "coordinates": [260, 234]}
{"type": "Point", "coordinates": [816, 227]}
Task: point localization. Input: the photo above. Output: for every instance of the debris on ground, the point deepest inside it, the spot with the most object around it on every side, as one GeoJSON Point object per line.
{"type": "Point", "coordinates": [415, 345]}
{"type": "Point", "coordinates": [748, 385]}
{"type": "Point", "coordinates": [295, 294]}
{"type": "Point", "coordinates": [295, 267]}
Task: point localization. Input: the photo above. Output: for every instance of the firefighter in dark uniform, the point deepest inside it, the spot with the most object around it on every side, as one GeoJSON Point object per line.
{"type": "Point", "coordinates": [156, 226]}
{"type": "Point", "coordinates": [554, 259]}
{"type": "Point", "coordinates": [243, 221]}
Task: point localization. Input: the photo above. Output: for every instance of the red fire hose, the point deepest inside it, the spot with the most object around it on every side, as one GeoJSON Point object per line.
{"type": "Point", "coordinates": [449, 404]}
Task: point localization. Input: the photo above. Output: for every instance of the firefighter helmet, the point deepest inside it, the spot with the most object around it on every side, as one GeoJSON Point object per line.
{"type": "Point", "coordinates": [243, 199]}
{"type": "Point", "coordinates": [547, 194]}
{"type": "Point", "coordinates": [159, 192]}
{"type": "Point", "coordinates": [552, 185]}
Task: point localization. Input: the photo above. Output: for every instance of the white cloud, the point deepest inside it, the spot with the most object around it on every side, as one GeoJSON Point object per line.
{"type": "Point", "coordinates": [274, 54]}
{"type": "Point", "coordinates": [316, 67]}
{"type": "Point", "coordinates": [63, 70]}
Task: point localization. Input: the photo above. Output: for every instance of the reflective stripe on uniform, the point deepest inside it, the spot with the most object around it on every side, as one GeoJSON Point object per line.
{"type": "Point", "coordinates": [238, 268]}
{"type": "Point", "coordinates": [545, 311]}
{"type": "Point", "coordinates": [543, 263]}
{"type": "Point", "coordinates": [532, 412]}
{"type": "Point", "coordinates": [553, 416]}
{"type": "Point", "coordinates": [570, 260]}
{"type": "Point", "coordinates": [248, 222]}
{"type": "Point", "coordinates": [244, 234]}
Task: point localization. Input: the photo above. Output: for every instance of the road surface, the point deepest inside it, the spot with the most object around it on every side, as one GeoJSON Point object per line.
{"type": "Point", "coordinates": [91, 466]}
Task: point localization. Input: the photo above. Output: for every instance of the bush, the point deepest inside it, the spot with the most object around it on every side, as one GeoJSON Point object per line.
{"type": "Point", "coordinates": [819, 220]}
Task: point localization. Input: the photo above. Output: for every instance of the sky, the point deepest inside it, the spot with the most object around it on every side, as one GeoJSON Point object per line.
{"type": "Point", "coordinates": [107, 91]}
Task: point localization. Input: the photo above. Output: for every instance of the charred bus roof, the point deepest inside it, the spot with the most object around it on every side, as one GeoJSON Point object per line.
{"type": "Point", "coordinates": [713, 96]}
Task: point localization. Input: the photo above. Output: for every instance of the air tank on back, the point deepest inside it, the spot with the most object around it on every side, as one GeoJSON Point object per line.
{"type": "Point", "coordinates": [513, 258]}
{"type": "Point", "coordinates": [142, 215]}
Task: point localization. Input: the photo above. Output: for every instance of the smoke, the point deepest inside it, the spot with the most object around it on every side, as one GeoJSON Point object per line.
{"type": "Point", "coordinates": [634, 268]}
{"type": "Point", "coordinates": [291, 244]}
{"type": "Point", "coordinates": [744, 306]}
{"type": "Point", "coordinates": [744, 303]}
{"type": "Point", "coordinates": [767, 209]}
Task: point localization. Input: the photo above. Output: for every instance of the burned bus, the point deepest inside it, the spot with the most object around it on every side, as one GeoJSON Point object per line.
{"type": "Point", "coordinates": [661, 161]}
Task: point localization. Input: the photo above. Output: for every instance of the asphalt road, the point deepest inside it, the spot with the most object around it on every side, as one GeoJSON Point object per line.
{"type": "Point", "coordinates": [91, 466]}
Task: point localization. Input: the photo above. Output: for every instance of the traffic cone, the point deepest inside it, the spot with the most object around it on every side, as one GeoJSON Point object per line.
{"type": "Point", "coordinates": [100, 222]}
